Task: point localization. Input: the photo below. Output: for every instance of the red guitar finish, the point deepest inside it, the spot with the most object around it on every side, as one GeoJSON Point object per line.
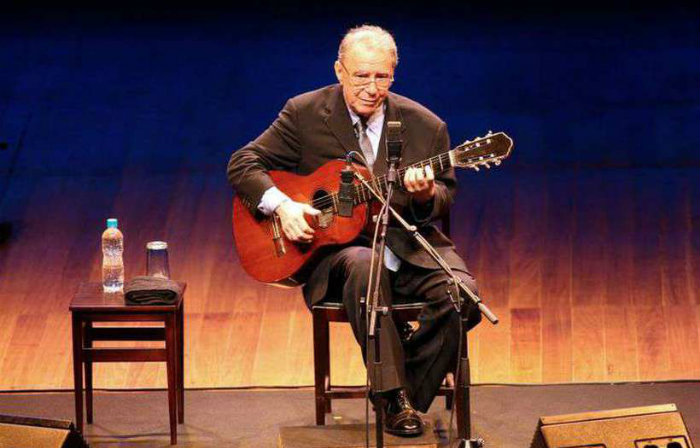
{"type": "Point", "coordinates": [276, 260]}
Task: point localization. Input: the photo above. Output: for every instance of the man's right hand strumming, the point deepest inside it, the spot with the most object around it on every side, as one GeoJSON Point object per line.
{"type": "Point", "coordinates": [294, 224]}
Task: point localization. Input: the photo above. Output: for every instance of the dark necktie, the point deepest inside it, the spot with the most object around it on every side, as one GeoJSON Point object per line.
{"type": "Point", "coordinates": [365, 144]}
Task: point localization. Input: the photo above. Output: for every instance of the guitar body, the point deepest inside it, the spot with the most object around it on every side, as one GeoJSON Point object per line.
{"type": "Point", "coordinates": [267, 255]}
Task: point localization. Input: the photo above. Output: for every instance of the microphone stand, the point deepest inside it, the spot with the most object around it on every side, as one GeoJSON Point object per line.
{"type": "Point", "coordinates": [413, 230]}
{"type": "Point", "coordinates": [374, 307]}
{"type": "Point", "coordinates": [456, 281]}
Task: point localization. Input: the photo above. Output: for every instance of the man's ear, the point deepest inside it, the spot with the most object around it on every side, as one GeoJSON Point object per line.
{"type": "Point", "coordinates": [338, 71]}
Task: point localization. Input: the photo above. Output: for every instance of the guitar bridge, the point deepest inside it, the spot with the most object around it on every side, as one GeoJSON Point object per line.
{"type": "Point", "coordinates": [277, 239]}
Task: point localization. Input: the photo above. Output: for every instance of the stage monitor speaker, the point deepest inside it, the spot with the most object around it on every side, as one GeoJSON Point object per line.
{"type": "Point", "coordinates": [31, 432]}
{"type": "Point", "coordinates": [659, 426]}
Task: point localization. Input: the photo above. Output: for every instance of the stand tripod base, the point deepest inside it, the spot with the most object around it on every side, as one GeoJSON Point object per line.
{"type": "Point", "coordinates": [349, 436]}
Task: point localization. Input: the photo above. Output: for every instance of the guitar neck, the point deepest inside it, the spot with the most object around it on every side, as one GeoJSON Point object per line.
{"type": "Point", "coordinates": [440, 163]}
{"type": "Point", "coordinates": [490, 149]}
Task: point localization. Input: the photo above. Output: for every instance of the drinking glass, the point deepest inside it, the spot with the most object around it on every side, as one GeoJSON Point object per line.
{"type": "Point", "coordinates": [157, 259]}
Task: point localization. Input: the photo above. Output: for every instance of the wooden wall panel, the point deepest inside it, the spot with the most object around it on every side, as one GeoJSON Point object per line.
{"type": "Point", "coordinates": [652, 340]}
{"type": "Point", "coordinates": [682, 340]}
{"type": "Point", "coordinates": [646, 253]}
{"type": "Point", "coordinates": [557, 349]}
{"type": "Point", "coordinates": [618, 205]}
{"type": "Point", "coordinates": [588, 341]}
{"type": "Point", "coordinates": [691, 217]}
{"type": "Point", "coordinates": [495, 349]}
{"type": "Point", "coordinates": [621, 349]}
{"type": "Point", "coordinates": [528, 242]}
{"type": "Point", "coordinates": [589, 249]}
{"type": "Point", "coordinates": [594, 275]}
{"type": "Point", "coordinates": [526, 345]}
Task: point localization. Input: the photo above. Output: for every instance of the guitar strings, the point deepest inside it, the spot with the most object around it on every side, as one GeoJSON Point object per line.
{"type": "Point", "coordinates": [329, 200]}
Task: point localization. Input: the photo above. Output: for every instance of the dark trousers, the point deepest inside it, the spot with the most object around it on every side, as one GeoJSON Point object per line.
{"type": "Point", "coordinates": [421, 363]}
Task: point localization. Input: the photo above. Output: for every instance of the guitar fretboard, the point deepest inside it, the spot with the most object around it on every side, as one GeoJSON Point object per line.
{"type": "Point", "coordinates": [438, 164]}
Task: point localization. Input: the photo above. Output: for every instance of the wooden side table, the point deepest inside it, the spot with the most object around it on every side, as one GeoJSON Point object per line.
{"type": "Point", "coordinates": [89, 305]}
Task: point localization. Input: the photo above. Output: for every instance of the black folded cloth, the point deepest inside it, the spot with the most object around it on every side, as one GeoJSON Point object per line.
{"type": "Point", "coordinates": [145, 290]}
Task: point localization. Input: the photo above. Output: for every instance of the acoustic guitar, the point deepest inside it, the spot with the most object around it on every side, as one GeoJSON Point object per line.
{"type": "Point", "coordinates": [269, 257]}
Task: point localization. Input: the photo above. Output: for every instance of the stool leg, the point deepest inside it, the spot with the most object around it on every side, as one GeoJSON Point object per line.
{"type": "Point", "coordinates": [78, 368]}
{"type": "Point", "coordinates": [449, 395]}
{"type": "Point", "coordinates": [321, 363]}
{"type": "Point", "coordinates": [181, 364]}
{"type": "Point", "coordinates": [170, 341]}
{"type": "Point", "coordinates": [88, 372]}
{"type": "Point", "coordinates": [464, 429]}
{"type": "Point", "coordinates": [327, 364]}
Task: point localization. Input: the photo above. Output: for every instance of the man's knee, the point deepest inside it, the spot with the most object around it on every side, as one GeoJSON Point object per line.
{"type": "Point", "coordinates": [355, 261]}
{"type": "Point", "coordinates": [443, 287]}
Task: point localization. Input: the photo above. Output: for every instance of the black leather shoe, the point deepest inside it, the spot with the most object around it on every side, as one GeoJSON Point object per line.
{"type": "Point", "coordinates": [400, 418]}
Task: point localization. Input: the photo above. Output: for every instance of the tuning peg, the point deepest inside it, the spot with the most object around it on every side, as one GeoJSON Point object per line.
{"type": "Point", "coordinates": [489, 133]}
{"type": "Point", "coordinates": [486, 164]}
{"type": "Point", "coordinates": [475, 168]}
{"type": "Point", "coordinates": [497, 162]}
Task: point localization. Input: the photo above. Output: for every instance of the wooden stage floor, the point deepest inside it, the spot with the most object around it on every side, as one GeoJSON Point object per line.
{"type": "Point", "coordinates": [594, 274]}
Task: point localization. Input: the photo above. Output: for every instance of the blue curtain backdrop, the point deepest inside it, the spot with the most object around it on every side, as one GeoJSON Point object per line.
{"type": "Point", "coordinates": [85, 91]}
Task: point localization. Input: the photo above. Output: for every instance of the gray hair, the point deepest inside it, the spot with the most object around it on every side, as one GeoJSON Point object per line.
{"type": "Point", "coordinates": [372, 36]}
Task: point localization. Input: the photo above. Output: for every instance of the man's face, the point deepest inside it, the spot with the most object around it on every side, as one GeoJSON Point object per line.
{"type": "Point", "coordinates": [360, 65]}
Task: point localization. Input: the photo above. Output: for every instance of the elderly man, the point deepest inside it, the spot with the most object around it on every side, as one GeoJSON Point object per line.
{"type": "Point", "coordinates": [325, 124]}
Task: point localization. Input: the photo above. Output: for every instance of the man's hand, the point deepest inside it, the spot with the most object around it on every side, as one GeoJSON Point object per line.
{"type": "Point", "coordinates": [293, 221]}
{"type": "Point", "coordinates": [420, 183]}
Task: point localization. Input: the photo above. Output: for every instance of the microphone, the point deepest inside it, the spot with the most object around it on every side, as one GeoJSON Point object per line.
{"type": "Point", "coordinates": [394, 145]}
{"type": "Point", "coordinates": [346, 198]}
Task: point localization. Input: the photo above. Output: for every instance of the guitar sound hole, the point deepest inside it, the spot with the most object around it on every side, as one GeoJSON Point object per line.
{"type": "Point", "coordinates": [322, 201]}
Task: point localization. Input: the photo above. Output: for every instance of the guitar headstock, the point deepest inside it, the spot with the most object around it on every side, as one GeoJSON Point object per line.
{"type": "Point", "coordinates": [482, 151]}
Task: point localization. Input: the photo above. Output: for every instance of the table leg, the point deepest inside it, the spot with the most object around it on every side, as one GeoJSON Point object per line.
{"type": "Point", "coordinates": [170, 342]}
{"type": "Point", "coordinates": [87, 338]}
{"type": "Point", "coordinates": [181, 364]}
{"type": "Point", "coordinates": [78, 368]}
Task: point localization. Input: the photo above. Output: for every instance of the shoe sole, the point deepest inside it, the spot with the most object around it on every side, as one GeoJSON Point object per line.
{"type": "Point", "coordinates": [407, 433]}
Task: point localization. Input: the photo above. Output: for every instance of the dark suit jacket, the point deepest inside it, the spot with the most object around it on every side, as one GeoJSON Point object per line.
{"type": "Point", "coordinates": [314, 128]}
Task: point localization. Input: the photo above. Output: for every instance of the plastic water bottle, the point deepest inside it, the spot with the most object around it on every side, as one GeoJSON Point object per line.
{"type": "Point", "coordinates": [112, 260]}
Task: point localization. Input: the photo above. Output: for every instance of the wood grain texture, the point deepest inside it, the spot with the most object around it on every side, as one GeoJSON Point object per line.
{"type": "Point", "coordinates": [621, 348]}
{"type": "Point", "coordinates": [594, 277]}
{"type": "Point", "coordinates": [526, 345]}
{"type": "Point", "coordinates": [588, 340]}
{"type": "Point", "coordinates": [590, 252]}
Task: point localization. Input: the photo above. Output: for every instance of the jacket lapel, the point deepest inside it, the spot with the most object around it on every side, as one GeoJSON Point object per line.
{"type": "Point", "coordinates": [338, 120]}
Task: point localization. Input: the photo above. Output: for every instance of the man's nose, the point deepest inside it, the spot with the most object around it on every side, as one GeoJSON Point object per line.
{"type": "Point", "coordinates": [372, 87]}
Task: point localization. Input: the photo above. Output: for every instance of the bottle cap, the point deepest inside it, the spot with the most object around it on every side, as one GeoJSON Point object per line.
{"type": "Point", "coordinates": [112, 223]}
{"type": "Point", "coordinates": [156, 245]}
